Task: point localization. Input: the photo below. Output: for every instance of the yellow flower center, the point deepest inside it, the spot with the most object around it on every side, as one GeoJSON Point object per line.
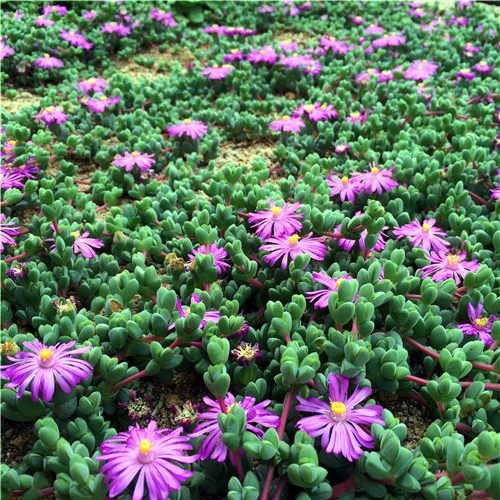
{"type": "Point", "coordinates": [231, 405]}
{"type": "Point", "coordinates": [339, 281]}
{"type": "Point", "coordinates": [453, 259]}
{"type": "Point", "coordinates": [332, 38]}
{"type": "Point", "coordinates": [145, 446]}
{"type": "Point", "coordinates": [426, 227]}
{"type": "Point", "coordinates": [308, 108]}
{"type": "Point", "coordinates": [188, 311]}
{"type": "Point", "coordinates": [370, 71]}
{"type": "Point", "coordinates": [482, 63]}
{"type": "Point", "coordinates": [71, 33]}
{"type": "Point", "coordinates": [338, 408]}
{"type": "Point", "coordinates": [420, 85]}
{"type": "Point", "coordinates": [46, 55]}
{"type": "Point", "coordinates": [215, 25]}
{"type": "Point", "coordinates": [358, 18]}
{"type": "Point", "coordinates": [375, 170]}
{"type": "Point", "coordinates": [92, 11]}
{"type": "Point", "coordinates": [234, 51]}
{"type": "Point", "coordinates": [261, 51]}
{"type": "Point", "coordinates": [187, 120]}
{"type": "Point", "coordinates": [103, 98]}
{"type": "Point", "coordinates": [295, 54]}
{"type": "Point", "coordinates": [226, 66]}
{"type": "Point", "coordinates": [424, 61]}
{"type": "Point", "coordinates": [8, 150]}
{"type": "Point", "coordinates": [355, 114]}
{"type": "Point", "coordinates": [323, 106]}
{"type": "Point", "coordinates": [216, 66]}
{"type": "Point", "coordinates": [276, 210]}
{"type": "Point", "coordinates": [481, 321]}
{"type": "Point", "coordinates": [49, 109]}
{"type": "Point", "coordinates": [293, 239]}
{"type": "Point", "coordinates": [45, 353]}
{"type": "Point", "coordinates": [345, 179]}
{"type": "Point", "coordinates": [393, 33]}
{"type": "Point", "coordinates": [386, 36]}
{"type": "Point", "coordinates": [134, 153]}
{"type": "Point", "coordinates": [91, 80]}
{"type": "Point", "coordinates": [76, 234]}
{"type": "Point", "coordinates": [113, 24]}
{"type": "Point", "coordinates": [420, 68]}
{"type": "Point", "coordinates": [286, 117]}
{"type": "Point", "coordinates": [11, 142]}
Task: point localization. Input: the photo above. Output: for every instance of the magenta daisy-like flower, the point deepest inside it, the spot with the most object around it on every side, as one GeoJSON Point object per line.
{"type": "Point", "coordinates": [291, 246]}
{"type": "Point", "coordinates": [338, 422]}
{"type": "Point", "coordinates": [343, 148]}
{"type": "Point", "coordinates": [27, 170]}
{"type": "Point", "coordinates": [192, 129]}
{"type": "Point", "coordinates": [465, 73]}
{"type": "Point", "coordinates": [364, 78]}
{"type": "Point", "coordinates": [5, 50]}
{"type": "Point", "coordinates": [85, 244]}
{"type": "Point", "coordinates": [358, 20]}
{"type": "Point", "coordinates": [213, 446]}
{"type": "Point", "coordinates": [266, 54]}
{"type": "Point", "coordinates": [220, 256]}
{"type": "Point", "coordinates": [47, 62]}
{"type": "Point", "coordinates": [99, 104]}
{"type": "Point", "coordinates": [357, 117]}
{"type": "Point", "coordinates": [420, 70]}
{"type": "Point", "coordinates": [348, 245]}
{"type": "Point", "coordinates": [332, 285]}
{"type": "Point", "coordinates": [296, 60]}
{"type": "Point", "coordinates": [10, 179]}
{"type": "Point", "coordinates": [478, 324]}
{"type": "Point", "coordinates": [373, 29]}
{"type": "Point", "coordinates": [119, 28]}
{"type": "Point", "coordinates": [417, 12]}
{"type": "Point", "coordinates": [7, 230]}
{"type": "Point", "coordinates": [195, 299]}
{"type": "Point", "coordinates": [217, 72]}
{"type": "Point", "coordinates": [75, 39]}
{"type": "Point", "coordinates": [144, 161]}
{"type": "Point", "coordinates": [483, 67]}
{"type": "Point", "coordinates": [468, 47]}
{"type": "Point", "coordinates": [277, 221]}
{"type": "Point", "coordinates": [90, 14]}
{"type": "Point", "coordinates": [58, 9]}
{"type": "Point", "coordinates": [152, 455]}
{"type": "Point", "coordinates": [461, 20]}
{"type": "Point", "coordinates": [51, 115]}
{"type": "Point", "coordinates": [95, 84]}
{"type": "Point", "coordinates": [43, 21]}
{"type": "Point", "coordinates": [288, 46]}
{"type": "Point", "coordinates": [376, 180]}
{"type": "Point", "coordinates": [389, 40]}
{"type": "Point", "coordinates": [18, 270]}
{"type": "Point", "coordinates": [426, 235]}
{"type": "Point", "coordinates": [44, 364]}
{"type": "Point", "coordinates": [245, 353]}
{"type": "Point", "coordinates": [385, 76]}
{"type": "Point", "coordinates": [495, 193]}
{"type": "Point", "coordinates": [345, 186]}
{"type": "Point", "coordinates": [337, 46]}
{"type": "Point", "coordinates": [316, 112]}
{"type": "Point", "coordinates": [214, 28]}
{"type": "Point", "coordinates": [234, 55]}
{"type": "Point", "coordinates": [266, 9]}
{"type": "Point", "coordinates": [447, 265]}
{"type": "Point", "coordinates": [287, 124]}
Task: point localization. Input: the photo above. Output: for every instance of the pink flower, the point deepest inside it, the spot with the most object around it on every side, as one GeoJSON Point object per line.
{"type": "Point", "coordinates": [99, 104]}
{"type": "Point", "coordinates": [316, 112]}
{"type": "Point", "coordinates": [195, 299]}
{"type": "Point", "coordinates": [373, 29]}
{"type": "Point", "coordinates": [219, 255]}
{"type": "Point", "coordinates": [287, 124]}
{"type": "Point", "coordinates": [332, 285]}
{"type": "Point", "coordinates": [420, 70]}
{"type": "Point", "coordinates": [50, 9]}
{"type": "Point", "coordinates": [119, 28]}
{"type": "Point", "coordinates": [337, 46]}
{"type": "Point", "coordinates": [265, 10]}
{"type": "Point", "coordinates": [417, 12]}
{"type": "Point", "coordinates": [483, 67]}
{"type": "Point", "coordinates": [392, 40]}
{"type": "Point", "coordinates": [338, 422]}
{"type": "Point", "coordinates": [6, 232]}
{"type": "Point", "coordinates": [10, 179]}
{"type": "Point", "coordinates": [358, 20]}
{"type": "Point", "coordinates": [167, 18]}
{"type": "Point", "coordinates": [152, 455]}
{"type": "Point", "coordinates": [234, 55]}
{"type": "Point", "coordinates": [343, 148]}
{"type": "Point", "coordinates": [376, 180]}
{"type": "Point", "coordinates": [291, 246]}
{"type": "Point", "coordinates": [296, 60]}
{"type": "Point", "coordinates": [95, 84]}
{"type": "Point", "coordinates": [277, 221]}
{"type": "Point", "coordinates": [215, 28]}
{"type": "Point", "coordinates": [5, 50]}
{"type": "Point", "coordinates": [89, 14]}
{"type": "Point", "coordinates": [348, 245]}
{"type": "Point", "coordinates": [82, 244]}
{"type": "Point", "coordinates": [357, 117]}
{"type": "Point", "coordinates": [465, 73]}
{"type": "Point", "coordinates": [364, 78]}
{"type": "Point", "coordinates": [47, 62]}
{"type": "Point", "coordinates": [385, 76]}
{"type": "Point", "coordinates": [495, 193]}
{"type": "Point", "coordinates": [216, 72]}
{"type": "Point", "coordinates": [468, 47]}
{"type": "Point", "coordinates": [462, 21]}
{"type": "Point", "coordinates": [345, 186]}
{"type": "Point", "coordinates": [51, 115]}
{"type": "Point", "coordinates": [426, 235]}
{"type": "Point", "coordinates": [266, 54]}
{"type": "Point", "coordinates": [44, 366]}
{"type": "Point", "coordinates": [447, 265]}
{"type": "Point", "coordinates": [238, 31]}
{"type": "Point", "coordinates": [478, 325]}
{"type": "Point", "coordinates": [192, 129]}
{"type": "Point", "coordinates": [288, 47]}
{"type": "Point", "coordinates": [76, 39]}
{"type": "Point", "coordinates": [144, 161]}
{"type": "Point", "coordinates": [43, 21]}
{"type": "Point", "coordinates": [27, 170]}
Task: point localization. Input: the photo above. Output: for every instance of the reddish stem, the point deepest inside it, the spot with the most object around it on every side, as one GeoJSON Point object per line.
{"type": "Point", "coordinates": [128, 380]}
{"type": "Point", "coordinates": [267, 483]}
{"type": "Point", "coordinates": [102, 207]}
{"type": "Point", "coordinates": [413, 296]}
{"type": "Point", "coordinates": [343, 488]}
{"type": "Point", "coordinates": [56, 227]}
{"type": "Point", "coordinates": [477, 198]}
{"type": "Point", "coordinates": [243, 214]}
{"type": "Point", "coordinates": [287, 339]}
{"type": "Point", "coordinates": [195, 344]}
{"type": "Point", "coordinates": [279, 489]}
{"type": "Point", "coordinates": [82, 182]}
{"type": "Point", "coordinates": [222, 404]}
{"type": "Point", "coordinates": [239, 466]}
{"type": "Point", "coordinates": [175, 343]}
{"type": "Point", "coordinates": [301, 176]}
{"type": "Point", "coordinates": [17, 257]}
{"type": "Point", "coordinates": [256, 283]}
{"type": "Point", "coordinates": [27, 231]}
{"type": "Point", "coordinates": [284, 415]}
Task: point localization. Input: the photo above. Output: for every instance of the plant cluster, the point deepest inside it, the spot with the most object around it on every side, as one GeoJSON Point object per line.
{"type": "Point", "coordinates": [360, 260]}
